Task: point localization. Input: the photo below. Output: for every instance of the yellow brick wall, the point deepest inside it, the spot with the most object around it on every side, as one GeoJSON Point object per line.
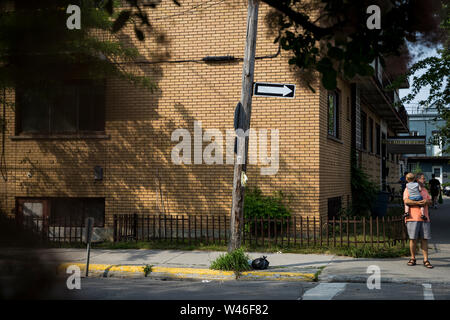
{"type": "Point", "coordinates": [139, 124]}
{"type": "Point", "coordinates": [335, 159]}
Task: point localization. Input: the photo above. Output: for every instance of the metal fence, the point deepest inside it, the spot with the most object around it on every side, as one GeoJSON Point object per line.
{"type": "Point", "coordinates": [57, 231]}
{"type": "Point", "coordinates": [292, 231]}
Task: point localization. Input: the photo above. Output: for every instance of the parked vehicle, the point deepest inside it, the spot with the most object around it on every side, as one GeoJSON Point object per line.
{"type": "Point", "coordinates": [447, 190]}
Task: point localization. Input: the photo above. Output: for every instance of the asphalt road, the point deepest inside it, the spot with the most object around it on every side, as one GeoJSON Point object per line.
{"type": "Point", "coordinates": [151, 289]}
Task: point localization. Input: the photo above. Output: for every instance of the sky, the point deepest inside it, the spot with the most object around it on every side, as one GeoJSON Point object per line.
{"type": "Point", "coordinates": [426, 52]}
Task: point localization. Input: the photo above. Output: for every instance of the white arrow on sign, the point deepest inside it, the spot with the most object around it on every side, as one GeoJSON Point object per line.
{"type": "Point", "coordinates": [274, 90]}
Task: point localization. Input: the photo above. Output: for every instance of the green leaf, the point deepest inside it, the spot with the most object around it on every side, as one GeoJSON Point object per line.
{"type": "Point", "coordinates": [329, 79]}
{"type": "Point", "coordinates": [123, 17]}
{"type": "Point", "coordinates": [336, 53]}
{"type": "Point", "coordinates": [109, 7]}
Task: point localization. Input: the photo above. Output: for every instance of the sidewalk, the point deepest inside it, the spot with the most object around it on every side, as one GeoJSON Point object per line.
{"type": "Point", "coordinates": [343, 269]}
{"type": "Point", "coordinates": [176, 264]}
{"type": "Point", "coordinates": [283, 266]}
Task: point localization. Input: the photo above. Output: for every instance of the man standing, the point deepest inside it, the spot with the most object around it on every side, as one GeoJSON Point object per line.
{"type": "Point", "coordinates": [435, 188]}
{"type": "Point", "coordinates": [417, 227]}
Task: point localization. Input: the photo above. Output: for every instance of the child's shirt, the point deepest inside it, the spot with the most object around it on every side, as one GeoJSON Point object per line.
{"type": "Point", "coordinates": [413, 189]}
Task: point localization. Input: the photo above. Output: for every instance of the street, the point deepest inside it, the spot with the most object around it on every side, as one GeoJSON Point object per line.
{"type": "Point", "coordinates": [151, 289]}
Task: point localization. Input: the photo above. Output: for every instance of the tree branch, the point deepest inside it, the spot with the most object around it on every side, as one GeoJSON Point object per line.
{"type": "Point", "coordinates": [299, 18]}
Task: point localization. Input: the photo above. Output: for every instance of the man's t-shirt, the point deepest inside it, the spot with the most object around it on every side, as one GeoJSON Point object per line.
{"type": "Point", "coordinates": [415, 210]}
{"type": "Point", "coordinates": [434, 186]}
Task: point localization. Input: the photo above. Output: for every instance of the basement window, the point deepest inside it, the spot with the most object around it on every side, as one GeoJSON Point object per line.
{"type": "Point", "coordinates": [63, 211]}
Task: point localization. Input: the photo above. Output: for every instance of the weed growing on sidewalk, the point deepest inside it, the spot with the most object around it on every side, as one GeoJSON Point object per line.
{"type": "Point", "coordinates": [317, 274]}
{"type": "Point", "coordinates": [236, 261]}
{"type": "Point", "coordinates": [148, 269]}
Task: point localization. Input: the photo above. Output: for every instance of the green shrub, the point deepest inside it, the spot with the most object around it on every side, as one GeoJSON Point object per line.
{"type": "Point", "coordinates": [260, 206]}
{"type": "Point", "coordinates": [257, 205]}
{"type": "Point", "coordinates": [236, 261]}
{"type": "Point", "coordinates": [417, 169]}
{"type": "Point", "coordinates": [364, 191]}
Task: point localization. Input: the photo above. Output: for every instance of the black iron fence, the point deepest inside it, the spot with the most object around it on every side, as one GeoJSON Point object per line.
{"type": "Point", "coordinates": [56, 231]}
{"type": "Point", "coordinates": [304, 231]}
{"type": "Point", "coordinates": [292, 231]}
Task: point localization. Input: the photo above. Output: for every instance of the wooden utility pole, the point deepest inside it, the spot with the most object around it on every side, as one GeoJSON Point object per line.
{"type": "Point", "coordinates": [237, 209]}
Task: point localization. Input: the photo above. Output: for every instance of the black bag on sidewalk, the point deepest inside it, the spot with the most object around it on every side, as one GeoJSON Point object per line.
{"type": "Point", "coordinates": [260, 263]}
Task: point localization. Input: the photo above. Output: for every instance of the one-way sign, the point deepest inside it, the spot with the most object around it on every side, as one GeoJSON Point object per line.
{"type": "Point", "coordinates": [274, 90]}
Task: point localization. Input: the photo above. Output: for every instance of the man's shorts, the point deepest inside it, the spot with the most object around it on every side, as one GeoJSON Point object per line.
{"type": "Point", "coordinates": [418, 230]}
{"type": "Point", "coordinates": [434, 193]}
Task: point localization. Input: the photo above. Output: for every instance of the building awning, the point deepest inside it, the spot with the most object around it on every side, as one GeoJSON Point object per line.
{"type": "Point", "coordinates": [406, 144]}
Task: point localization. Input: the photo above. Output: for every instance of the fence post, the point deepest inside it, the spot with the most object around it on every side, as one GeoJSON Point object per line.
{"type": "Point", "coordinates": [378, 233]}
{"type": "Point", "coordinates": [275, 230]}
{"type": "Point", "coordinates": [225, 229]}
{"type": "Point", "coordinates": [314, 229]}
{"type": "Point", "coordinates": [176, 229]}
{"type": "Point", "coordinates": [307, 231]}
{"type": "Point", "coordinates": [348, 233]}
{"type": "Point", "coordinates": [115, 228]}
{"type": "Point", "coordinates": [262, 230]}
{"type": "Point", "coordinates": [328, 232]}
{"type": "Point", "coordinates": [189, 228]}
{"type": "Point", "coordinates": [371, 232]}
{"type": "Point", "coordinates": [334, 231]}
{"type": "Point", "coordinates": [288, 231]}
{"type": "Point", "coordinates": [295, 231]}
{"type": "Point", "coordinates": [320, 229]}
{"type": "Point", "coordinates": [364, 229]}
{"type": "Point", "coordinates": [182, 228]}
{"type": "Point", "coordinates": [135, 229]}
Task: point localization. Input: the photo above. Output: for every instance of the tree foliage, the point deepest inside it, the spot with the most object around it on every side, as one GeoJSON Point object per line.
{"type": "Point", "coordinates": [332, 37]}
{"type": "Point", "coordinates": [36, 47]}
{"type": "Point", "coordinates": [433, 73]}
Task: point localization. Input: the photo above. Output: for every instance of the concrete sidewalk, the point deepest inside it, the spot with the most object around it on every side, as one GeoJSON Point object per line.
{"type": "Point", "coordinates": [283, 266]}
{"type": "Point", "coordinates": [176, 263]}
{"type": "Point", "coordinates": [341, 269]}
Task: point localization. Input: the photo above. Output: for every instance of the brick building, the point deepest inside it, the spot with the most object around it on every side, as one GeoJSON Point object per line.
{"type": "Point", "coordinates": [117, 158]}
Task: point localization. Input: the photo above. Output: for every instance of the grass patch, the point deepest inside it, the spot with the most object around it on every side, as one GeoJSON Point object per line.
{"type": "Point", "coordinates": [318, 272]}
{"type": "Point", "coordinates": [360, 251]}
{"type": "Point", "coordinates": [236, 261]}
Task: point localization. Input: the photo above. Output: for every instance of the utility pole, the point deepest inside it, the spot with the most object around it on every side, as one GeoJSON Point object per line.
{"type": "Point", "coordinates": [237, 209]}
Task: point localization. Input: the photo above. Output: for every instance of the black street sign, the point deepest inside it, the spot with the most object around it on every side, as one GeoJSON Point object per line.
{"type": "Point", "coordinates": [274, 90]}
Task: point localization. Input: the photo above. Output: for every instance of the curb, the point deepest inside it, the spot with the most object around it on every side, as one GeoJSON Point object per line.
{"type": "Point", "coordinates": [137, 271]}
